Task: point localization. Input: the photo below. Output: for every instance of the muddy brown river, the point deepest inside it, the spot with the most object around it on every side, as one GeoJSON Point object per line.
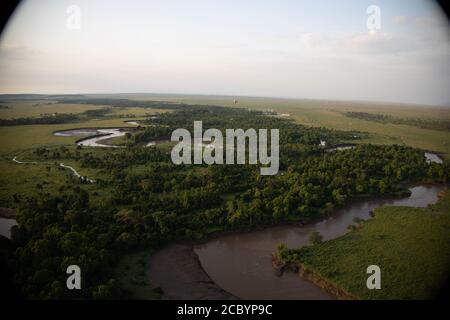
{"type": "Point", "coordinates": [240, 263]}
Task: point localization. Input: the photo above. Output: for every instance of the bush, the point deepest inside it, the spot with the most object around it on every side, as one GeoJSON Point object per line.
{"type": "Point", "coordinates": [315, 238]}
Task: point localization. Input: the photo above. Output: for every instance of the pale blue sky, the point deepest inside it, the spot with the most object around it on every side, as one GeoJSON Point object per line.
{"type": "Point", "coordinates": [299, 49]}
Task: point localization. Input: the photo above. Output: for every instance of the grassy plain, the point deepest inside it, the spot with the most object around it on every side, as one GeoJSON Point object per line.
{"type": "Point", "coordinates": [317, 113]}
{"type": "Point", "coordinates": [330, 114]}
{"type": "Point", "coordinates": [14, 139]}
{"type": "Point", "coordinates": [394, 239]}
{"type": "Point", "coordinates": [26, 179]}
{"type": "Point", "coordinates": [35, 108]}
{"type": "Point", "coordinates": [410, 245]}
{"type": "Point", "coordinates": [19, 140]}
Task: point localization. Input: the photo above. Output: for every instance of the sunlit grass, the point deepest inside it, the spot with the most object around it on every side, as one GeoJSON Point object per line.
{"type": "Point", "coordinates": [410, 245]}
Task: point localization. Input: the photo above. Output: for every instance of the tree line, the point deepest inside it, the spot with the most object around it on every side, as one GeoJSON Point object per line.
{"type": "Point", "coordinates": [433, 124]}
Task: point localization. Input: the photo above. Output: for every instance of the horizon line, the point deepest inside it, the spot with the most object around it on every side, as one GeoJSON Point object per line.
{"type": "Point", "coordinates": [241, 96]}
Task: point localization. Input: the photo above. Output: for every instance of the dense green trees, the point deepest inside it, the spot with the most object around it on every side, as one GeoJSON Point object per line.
{"type": "Point", "coordinates": [143, 200]}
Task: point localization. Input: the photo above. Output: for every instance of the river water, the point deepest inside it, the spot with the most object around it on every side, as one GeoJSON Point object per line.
{"type": "Point", "coordinates": [241, 263]}
{"type": "Point", "coordinates": [107, 134]}
{"type": "Point", "coordinates": [432, 157]}
{"type": "Point", "coordinates": [6, 225]}
{"type": "Point", "coordinates": [99, 135]}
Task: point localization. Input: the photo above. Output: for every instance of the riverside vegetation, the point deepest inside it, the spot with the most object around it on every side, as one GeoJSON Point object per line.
{"type": "Point", "coordinates": [410, 245]}
{"type": "Point", "coordinates": [141, 200]}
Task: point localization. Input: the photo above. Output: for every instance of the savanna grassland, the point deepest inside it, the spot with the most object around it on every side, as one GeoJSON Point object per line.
{"type": "Point", "coordinates": [332, 114]}
{"type": "Point", "coordinates": [141, 200]}
{"type": "Point", "coordinates": [19, 140]}
{"type": "Point", "coordinates": [14, 139]}
{"type": "Point", "coordinates": [329, 114]}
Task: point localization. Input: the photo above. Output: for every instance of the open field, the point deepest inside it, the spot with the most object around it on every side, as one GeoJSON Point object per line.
{"type": "Point", "coordinates": [13, 139]}
{"type": "Point", "coordinates": [394, 109]}
{"type": "Point", "coordinates": [136, 111]}
{"type": "Point", "coordinates": [18, 140]}
{"type": "Point", "coordinates": [23, 109]}
{"type": "Point", "coordinates": [318, 113]}
{"type": "Point", "coordinates": [35, 108]}
{"type": "Point", "coordinates": [26, 179]}
{"type": "Point", "coordinates": [410, 245]}
{"type": "Point", "coordinates": [330, 114]}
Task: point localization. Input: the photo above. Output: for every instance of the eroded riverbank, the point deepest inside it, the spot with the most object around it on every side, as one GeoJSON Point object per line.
{"type": "Point", "coordinates": [186, 279]}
